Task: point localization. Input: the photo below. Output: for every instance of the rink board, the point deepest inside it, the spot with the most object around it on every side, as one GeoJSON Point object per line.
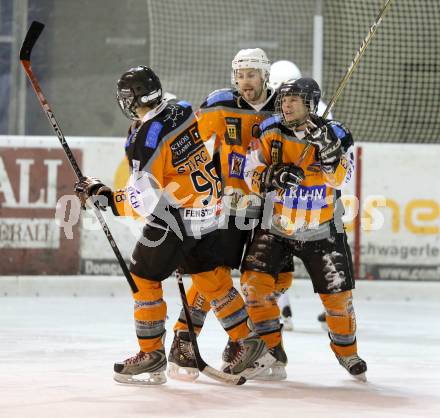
{"type": "Point", "coordinates": [400, 209]}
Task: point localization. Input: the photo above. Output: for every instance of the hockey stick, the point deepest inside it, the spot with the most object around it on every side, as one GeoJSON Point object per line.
{"type": "Point", "coordinates": [350, 71]}
{"type": "Point", "coordinates": [201, 365]}
{"type": "Point", "coordinates": [25, 58]}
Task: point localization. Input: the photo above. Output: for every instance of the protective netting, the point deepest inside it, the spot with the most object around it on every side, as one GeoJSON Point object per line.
{"type": "Point", "coordinates": [393, 94]}
{"type": "Point", "coordinates": [192, 42]}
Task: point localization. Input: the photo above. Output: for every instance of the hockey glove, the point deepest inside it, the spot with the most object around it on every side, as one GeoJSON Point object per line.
{"type": "Point", "coordinates": [329, 150]}
{"type": "Point", "coordinates": [92, 187]}
{"type": "Point", "coordinates": [281, 176]}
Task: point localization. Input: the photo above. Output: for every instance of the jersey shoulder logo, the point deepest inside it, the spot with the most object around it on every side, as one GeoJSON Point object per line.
{"type": "Point", "coordinates": [233, 131]}
{"type": "Point", "coordinates": [173, 114]}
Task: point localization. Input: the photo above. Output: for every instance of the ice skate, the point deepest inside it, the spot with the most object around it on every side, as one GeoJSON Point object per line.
{"type": "Point", "coordinates": [322, 320]}
{"type": "Point", "coordinates": [230, 352]}
{"type": "Point", "coordinates": [152, 364]}
{"type": "Point", "coordinates": [248, 357]}
{"type": "Point", "coordinates": [277, 371]}
{"type": "Point", "coordinates": [286, 316]}
{"type": "Point", "coordinates": [182, 363]}
{"type": "Point", "coordinates": [354, 365]}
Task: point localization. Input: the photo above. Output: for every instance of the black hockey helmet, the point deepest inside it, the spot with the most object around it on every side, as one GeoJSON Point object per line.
{"type": "Point", "coordinates": [138, 87]}
{"type": "Point", "coordinates": [305, 87]}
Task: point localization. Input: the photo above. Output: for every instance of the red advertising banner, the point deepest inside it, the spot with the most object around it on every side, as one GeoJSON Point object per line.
{"type": "Point", "coordinates": [31, 182]}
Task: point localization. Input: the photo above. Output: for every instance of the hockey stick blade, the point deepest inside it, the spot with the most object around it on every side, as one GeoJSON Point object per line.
{"type": "Point", "coordinates": [204, 368]}
{"type": "Point", "coordinates": [31, 38]}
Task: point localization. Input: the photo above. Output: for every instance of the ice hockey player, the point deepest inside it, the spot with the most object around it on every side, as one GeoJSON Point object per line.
{"type": "Point", "coordinates": [281, 71]}
{"type": "Point", "coordinates": [284, 70]}
{"type": "Point", "coordinates": [233, 116]}
{"type": "Point", "coordinates": [174, 185]}
{"type": "Point", "coordinates": [306, 209]}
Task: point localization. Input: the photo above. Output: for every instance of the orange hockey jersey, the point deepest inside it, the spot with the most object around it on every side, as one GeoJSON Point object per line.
{"type": "Point", "coordinates": [234, 123]}
{"type": "Point", "coordinates": [307, 213]}
{"type": "Point", "coordinates": [171, 171]}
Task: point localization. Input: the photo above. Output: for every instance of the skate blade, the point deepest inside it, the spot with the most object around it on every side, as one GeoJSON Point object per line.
{"type": "Point", "coordinates": [186, 374]}
{"type": "Point", "coordinates": [150, 379]}
{"type": "Point", "coordinates": [287, 324]}
{"type": "Point", "coordinates": [274, 374]}
{"type": "Point", "coordinates": [360, 377]}
{"type": "Point", "coordinates": [259, 366]}
{"type": "Point", "coordinates": [324, 326]}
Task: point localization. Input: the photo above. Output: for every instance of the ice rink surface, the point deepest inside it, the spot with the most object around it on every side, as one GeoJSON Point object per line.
{"type": "Point", "coordinates": [57, 355]}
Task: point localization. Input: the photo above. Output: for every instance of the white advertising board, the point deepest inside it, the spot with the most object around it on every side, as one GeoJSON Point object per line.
{"type": "Point", "coordinates": [399, 208]}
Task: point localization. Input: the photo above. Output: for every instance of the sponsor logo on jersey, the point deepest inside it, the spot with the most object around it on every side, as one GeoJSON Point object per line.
{"type": "Point", "coordinates": [236, 165]}
{"type": "Point", "coordinates": [309, 198]}
{"type": "Point", "coordinates": [185, 145]}
{"type": "Point", "coordinates": [233, 131]}
{"type": "Point", "coordinates": [197, 214]}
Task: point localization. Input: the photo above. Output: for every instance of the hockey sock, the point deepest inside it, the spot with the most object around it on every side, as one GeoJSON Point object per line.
{"type": "Point", "coordinates": [341, 322]}
{"type": "Point", "coordinates": [227, 304]}
{"type": "Point", "coordinates": [149, 313]}
{"type": "Point", "coordinates": [258, 289]}
{"type": "Point", "coordinates": [284, 282]}
{"type": "Point", "coordinates": [198, 306]}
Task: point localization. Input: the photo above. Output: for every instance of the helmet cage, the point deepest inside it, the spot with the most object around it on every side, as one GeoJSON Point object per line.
{"type": "Point", "coordinates": [147, 85]}
{"type": "Point", "coordinates": [307, 89]}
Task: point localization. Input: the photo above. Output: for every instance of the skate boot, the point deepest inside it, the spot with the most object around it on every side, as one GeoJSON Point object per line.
{"type": "Point", "coordinates": [322, 320]}
{"type": "Point", "coordinates": [286, 316]}
{"type": "Point", "coordinates": [182, 363]}
{"type": "Point", "coordinates": [277, 371]}
{"type": "Point", "coordinates": [354, 365]}
{"type": "Point", "coordinates": [249, 357]}
{"type": "Point", "coordinates": [230, 352]}
{"type": "Point", "coordinates": [153, 364]}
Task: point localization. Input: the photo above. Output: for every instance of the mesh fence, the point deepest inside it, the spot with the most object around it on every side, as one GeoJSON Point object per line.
{"type": "Point", "coordinates": [193, 42]}
{"type": "Point", "coordinates": [392, 96]}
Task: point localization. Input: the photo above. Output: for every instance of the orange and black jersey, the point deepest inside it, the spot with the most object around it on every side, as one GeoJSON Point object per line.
{"type": "Point", "coordinates": [234, 122]}
{"type": "Point", "coordinates": [170, 166]}
{"type": "Point", "coordinates": [306, 213]}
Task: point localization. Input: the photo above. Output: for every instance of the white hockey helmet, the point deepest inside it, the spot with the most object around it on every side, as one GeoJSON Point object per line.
{"type": "Point", "coordinates": [251, 58]}
{"type": "Point", "coordinates": [281, 71]}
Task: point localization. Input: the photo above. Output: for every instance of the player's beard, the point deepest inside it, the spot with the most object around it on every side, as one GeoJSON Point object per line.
{"type": "Point", "coordinates": [252, 94]}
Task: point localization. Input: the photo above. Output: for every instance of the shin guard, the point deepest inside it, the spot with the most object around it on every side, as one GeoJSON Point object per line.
{"type": "Point", "coordinates": [258, 289]}
{"type": "Point", "coordinates": [341, 322]}
{"type": "Point", "coordinates": [198, 307]}
{"type": "Point", "coordinates": [227, 304]}
{"type": "Point", "coordinates": [150, 311]}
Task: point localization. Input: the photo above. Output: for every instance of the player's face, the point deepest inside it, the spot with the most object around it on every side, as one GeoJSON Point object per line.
{"type": "Point", "coordinates": [250, 85]}
{"type": "Point", "coordinates": [294, 108]}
